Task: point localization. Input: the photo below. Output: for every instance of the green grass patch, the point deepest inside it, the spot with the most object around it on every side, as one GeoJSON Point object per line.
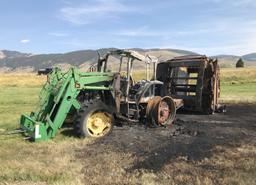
{"type": "Point", "coordinates": [14, 101]}
{"type": "Point", "coordinates": [50, 162]}
{"type": "Point", "coordinates": [238, 75]}
{"type": "Point", "coordinates": [238, 85]}
{"type": "Point", "coordinates": [241, 92]}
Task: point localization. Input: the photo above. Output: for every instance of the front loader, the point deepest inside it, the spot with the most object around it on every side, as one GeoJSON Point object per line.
{"type": "Point", "coordinates": [59, 97]}
{"type": "Point", "coordinates": [94, 99]}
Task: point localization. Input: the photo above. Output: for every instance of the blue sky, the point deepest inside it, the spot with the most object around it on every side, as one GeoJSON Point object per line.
{"type": "Point", "coordinates": [205, 26]}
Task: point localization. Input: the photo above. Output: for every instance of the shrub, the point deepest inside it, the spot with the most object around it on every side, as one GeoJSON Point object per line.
{"type": "Point", "coordinates": [240, 63]}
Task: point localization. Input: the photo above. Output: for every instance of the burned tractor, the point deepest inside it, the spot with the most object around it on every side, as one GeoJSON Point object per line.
{"type": "Point", "coordinates": [194, 79]}
{"type": "Point", "coordinates": [93, 100]}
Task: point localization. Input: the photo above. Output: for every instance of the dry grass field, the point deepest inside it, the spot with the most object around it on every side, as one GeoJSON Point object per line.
{"type": "Point", "coordinates": [217, 149]}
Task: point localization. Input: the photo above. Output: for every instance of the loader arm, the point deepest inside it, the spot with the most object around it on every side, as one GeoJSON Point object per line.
{"type": "Point", "coordinates": [57, 97]}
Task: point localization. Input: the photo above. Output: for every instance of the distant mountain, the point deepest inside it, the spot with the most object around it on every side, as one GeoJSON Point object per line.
{"type": "Point", "coordinates": [18, 60]}
{"type": "Point", "coordinates": [230, 60]}
{"type": "Point", "coordinates": [231, 57]}
{"type": "Point", "coordinates": [249, 57]}
{"type": "Point", "coordinates": [12, 54]}
{"type": "Point", "coordinates": [14, 60]}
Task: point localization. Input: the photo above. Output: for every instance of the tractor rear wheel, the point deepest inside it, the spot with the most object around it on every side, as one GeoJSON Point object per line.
{"type": "Point", "coordinates": [94, 120]}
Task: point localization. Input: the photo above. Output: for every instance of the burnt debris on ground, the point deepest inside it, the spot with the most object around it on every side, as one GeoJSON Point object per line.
{"type": "Point", "coordinates": [129, 150]}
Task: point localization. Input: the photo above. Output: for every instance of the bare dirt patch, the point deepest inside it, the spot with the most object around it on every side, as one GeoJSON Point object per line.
{"type": "Point", "coordinates": [198, 149]}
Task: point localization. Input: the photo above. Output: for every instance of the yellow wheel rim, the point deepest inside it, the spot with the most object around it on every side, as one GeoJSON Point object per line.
{"type": "Point", "coordinates": [99, 124]}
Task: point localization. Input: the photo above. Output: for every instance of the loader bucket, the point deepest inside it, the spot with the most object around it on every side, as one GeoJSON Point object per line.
{"type": "Point", "coordinates": [35, 130]}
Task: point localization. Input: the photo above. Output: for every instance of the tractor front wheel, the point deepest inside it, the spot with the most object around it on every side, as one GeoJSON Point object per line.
{"type": "Point", "coordinates": [94, 120]}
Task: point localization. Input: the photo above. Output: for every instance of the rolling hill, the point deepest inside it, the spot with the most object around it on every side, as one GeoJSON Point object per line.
{"type": "Point", "coordinates": [230, 60]}
{"type": "Point", "coordinates": [17, 61]}
{"type": "Point", "coordinates": [13, 60]}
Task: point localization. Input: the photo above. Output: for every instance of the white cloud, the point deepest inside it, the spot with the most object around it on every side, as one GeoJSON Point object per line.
{"type": "Point", "coordinates": [226, 36]}
{"type": "Point", "coordinates": [58, 34]}
{"type": "Point", "coordinates": [226, 27]}
{"type": "Point", "coordinates": [231, 3]}
{"type": "Point", "coordinates": [236, 48]}
{"type": "Point", "coordinates": [141, 31]}
{"type": "Point", "coordinates": [244, 3]}
{"type": "Point", "coordinates": [24, 41]}
{"type": "Point", "coordinates": [146, 32]}
{"type": "Point", "coordinates": [94, 11]}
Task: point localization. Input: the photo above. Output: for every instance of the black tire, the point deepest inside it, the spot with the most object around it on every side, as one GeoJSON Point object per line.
{"type": "Point", "coordinates": [83, 125]}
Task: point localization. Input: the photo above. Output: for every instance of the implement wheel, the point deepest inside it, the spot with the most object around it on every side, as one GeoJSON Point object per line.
{"type": "Point", "coordinates": [160, 111]}
{"type": "Point", "coordinates": [94, 120]}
